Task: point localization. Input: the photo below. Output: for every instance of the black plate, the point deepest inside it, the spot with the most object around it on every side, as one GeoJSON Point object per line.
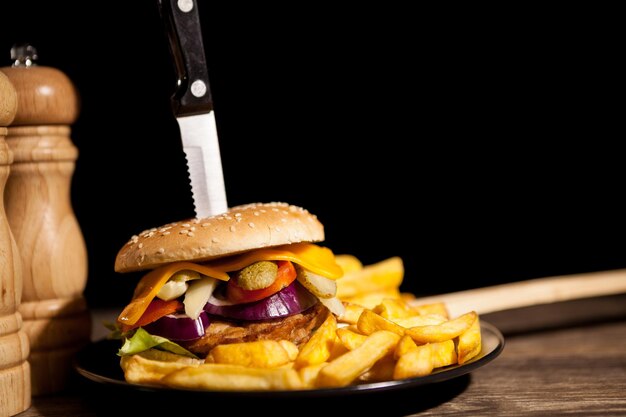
{"type": "Point", "coordinates": [99, 363]}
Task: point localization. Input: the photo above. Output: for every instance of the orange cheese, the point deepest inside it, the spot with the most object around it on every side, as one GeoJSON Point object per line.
{"type": "Point", "coordinates": [317, 259]}
{"type": "Point", "coordinates": [152, 282]}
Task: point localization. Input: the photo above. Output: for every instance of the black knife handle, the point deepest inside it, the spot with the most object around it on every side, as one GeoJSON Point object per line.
{"type": "Point", "coordinates": [182, 24]}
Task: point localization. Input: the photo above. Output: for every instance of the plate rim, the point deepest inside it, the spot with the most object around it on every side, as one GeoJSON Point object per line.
{"type": "Point", "coordinates": [438, 376]}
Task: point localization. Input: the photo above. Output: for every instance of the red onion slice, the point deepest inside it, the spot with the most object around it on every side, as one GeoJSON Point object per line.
{"type": "Point", "coordinates": [179, 327]}
{"type": "Point", "coordinates": [291, 300]}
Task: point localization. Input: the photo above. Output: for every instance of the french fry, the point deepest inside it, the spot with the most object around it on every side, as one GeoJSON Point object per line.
{"type": "Point", "coordinates": [380, 371]}
{"type": "Point", "coordinates": [257, 354]}
{"type": "Point", "coordinates": [351, 314]}
{"type": "Point", "coordinates": [318, 347]}
{"type": "Point", "coordinates": [349, 263]}
{"type": "Point", "coordinates": [370, 322]}
{"type": "Point", "coordinates": [469, 344]}
{"type": "Point", "coordinates": [308, 374]}
{"type": "Point", "coordinates": [233, 378]}
{"type": "Point", "coordinates": [350, 339]}
{"type": "Point", "coordinates": [414, 363]}
{"type": "Point", "coordinates": [372, 299]}
{"type": "Point", "coordinates": [291, 349]}
{"type": "Point", "coordinates": [414, 321]}
{"type": "Point", "coordinates": [392, 308]}
{"type": "Point", "coordinates": [443, 353]}
{"type": "Point", "coordinates": [337, 349]}
{"type": "Point", "coordinates": [345, 369]}
{"type": "Point", "coordinates": [434, 308]}
{"type": "Point", "coordinates": [379, 276]}
{"type": "Point", "coordinates": [405, 345]}
{"type": "Point", "coordinates": [444, 331]}
{"type": "Point", "coordinates": [140, 370]}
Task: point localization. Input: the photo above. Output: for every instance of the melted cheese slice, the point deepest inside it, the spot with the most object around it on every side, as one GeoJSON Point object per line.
{"type": "Point", "coordinates": [153, 281]}
{"type": "Point", "coordinates": [317, 259]}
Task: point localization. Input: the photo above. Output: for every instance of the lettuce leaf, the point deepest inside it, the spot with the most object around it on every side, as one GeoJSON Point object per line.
{"type": "Point", "coordinates": [142, 340]}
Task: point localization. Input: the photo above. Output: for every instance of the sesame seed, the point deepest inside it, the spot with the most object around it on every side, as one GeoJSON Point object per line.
{"type": "Point", "coordinates": [237, 214]}
{"type": "Point", "coordinates": [239, 219]}
{"type": "Point", "coordinates": [152, 230]}
{"type": "Point", "coordinates": [196, 221]}
{"type": "Point", "coordinates": [161, 250]}
{"type": "Point", "coordinates": [231, 228]}
{"type": "Point", "coordinates": [131, 242]}
{"type": "Point", "coordinates": [182, 232]}
{"type": "Point", "coordinates": [206, 224]}
{"type": "Point", "coordinates": [190, 234]}
{"type": "Point", "coordinates": [215, 240]}
{"type": "Point", "coordinates": [251, 225]}
{"type": "Point", "coordinates": [283, 220]}
{"type": "Point", "coordinates": [140, 245]}
{"type": "Point", "coordinates": [275, 209]}
{"type": "Point", "coordinates": [186, 225]}
{"type": "Point", "coordinates": [263, 211]}
{"type": "Point", "coordinates": [193, 228]}
{"type": "Point", "coordinates": [256, 213]}
{"type": "Point", "coordinates": [134, 237]}
{"type": "Point", "coordinates": [277, 229]}
{"type": "Point", "coordinates": [165, 233]}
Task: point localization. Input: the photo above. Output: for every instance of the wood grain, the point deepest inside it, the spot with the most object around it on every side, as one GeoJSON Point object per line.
{"type": "Point", "coordinates": [38, 206]}
{"type": "Point", "coordinates": [45, 96]}
{"type": "Point", "coordinates": [531, 292]}
{"type": "Point", "coordinates": [15, 393]}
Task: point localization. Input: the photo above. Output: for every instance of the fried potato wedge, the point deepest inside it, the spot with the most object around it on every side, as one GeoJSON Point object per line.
{"type": "Point", "coordinates": [346, 368]}
{"type": "Point", "coordinates": [233, 378]}
{"type": "Point", "coordinates": [414, 363]}
{"type": "Point", "coordinates": [444, 331]}
{"type": "Point", "coordinates": [317, 349]}
{"type": "Point", "coordinates": [372, 299]}
{"type": "Point", "coordinates": [470, 343]}
{"type": "Point", "coordinates": [380, 371]}
{"type": "Point", "coordinates": [351, 314]}
{"type": "Point", "coordinates": [349, 263]}
{"type": "Point", "coordinates": [443, 353]}
{"type": "Point", "coordinates": [405, 345]}
{"type": "Point", "coordinates": [350, 339]}
{"type": "Point", "coordinates": [415, 321]}
{"type": "Point", "coordinates": [140, 370]}
{"type": "Point", "coordinates": [393, 308]}
{"type": "Point", "coordinates": [370, 322]}
{"type": "Point", "coordinates": [308, 374]}
{"type": "Point", "coordinates": [375, 277]}
{"type": "Point", "coordinates": [290, 348]}
{"type": "Point", "coordinates": [257, 354]}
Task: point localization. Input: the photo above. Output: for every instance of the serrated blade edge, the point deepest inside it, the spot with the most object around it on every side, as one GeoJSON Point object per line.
{"type": "Point", "coordinates": [200, 144]}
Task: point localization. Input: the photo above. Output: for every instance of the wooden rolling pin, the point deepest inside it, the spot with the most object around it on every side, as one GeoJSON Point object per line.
{"type": "Point", "coordinates": [14, 370]}
{"type": "Point", "coordinates": [531, 292]}
{"type": "Point", "coordinates": [38, 205]}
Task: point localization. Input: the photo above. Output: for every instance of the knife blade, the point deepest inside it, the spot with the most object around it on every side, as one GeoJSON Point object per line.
{"type": "Point", "coordinates": [192, 104]}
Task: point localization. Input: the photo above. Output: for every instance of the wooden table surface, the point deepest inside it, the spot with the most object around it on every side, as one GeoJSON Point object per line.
{"type": "Point", "coordinates": [561, 359]}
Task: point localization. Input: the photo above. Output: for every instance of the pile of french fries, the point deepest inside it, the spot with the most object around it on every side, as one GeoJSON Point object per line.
{"type": "Point", "coordinates": [382, 336]}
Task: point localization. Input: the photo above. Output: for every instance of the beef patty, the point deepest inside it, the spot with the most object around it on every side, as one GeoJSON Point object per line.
{"type": "Point", "coordinates": [296, 328]}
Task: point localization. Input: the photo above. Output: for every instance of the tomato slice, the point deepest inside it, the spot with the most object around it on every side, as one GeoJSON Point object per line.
{"type": "Point", "coordinates": [286, 275]}
{"type": "Point", "coordinates": [156, 309]}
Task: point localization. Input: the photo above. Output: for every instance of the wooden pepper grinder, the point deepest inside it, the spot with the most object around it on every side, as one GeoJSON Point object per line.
{"type": "Point", "coordinates": [14, 369]}
{"type": "Point", "coordinates": [49, 239]}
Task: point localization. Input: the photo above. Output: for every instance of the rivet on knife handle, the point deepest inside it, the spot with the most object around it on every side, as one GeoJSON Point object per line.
{"type": "Point", "coordinates": [193, 106]}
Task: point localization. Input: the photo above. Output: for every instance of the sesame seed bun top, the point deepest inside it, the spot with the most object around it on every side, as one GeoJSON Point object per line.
{"type": "Point", "coordinates": [242, 228]}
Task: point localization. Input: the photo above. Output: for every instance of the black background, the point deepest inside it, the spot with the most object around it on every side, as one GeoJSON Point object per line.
{"type": "Point", "coordinates": [481, 146]}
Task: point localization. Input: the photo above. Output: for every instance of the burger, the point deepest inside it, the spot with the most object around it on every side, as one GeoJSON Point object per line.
{"type": "Point", "coordinates": [252, 273]}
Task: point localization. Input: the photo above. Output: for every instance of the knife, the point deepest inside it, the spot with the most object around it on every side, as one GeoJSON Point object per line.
{"type": "Point", "coordinates": [192, 105]}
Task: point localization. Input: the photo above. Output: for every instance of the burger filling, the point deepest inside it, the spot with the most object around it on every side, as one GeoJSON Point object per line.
{"type": "Point", "coordinates": [275, 293]}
